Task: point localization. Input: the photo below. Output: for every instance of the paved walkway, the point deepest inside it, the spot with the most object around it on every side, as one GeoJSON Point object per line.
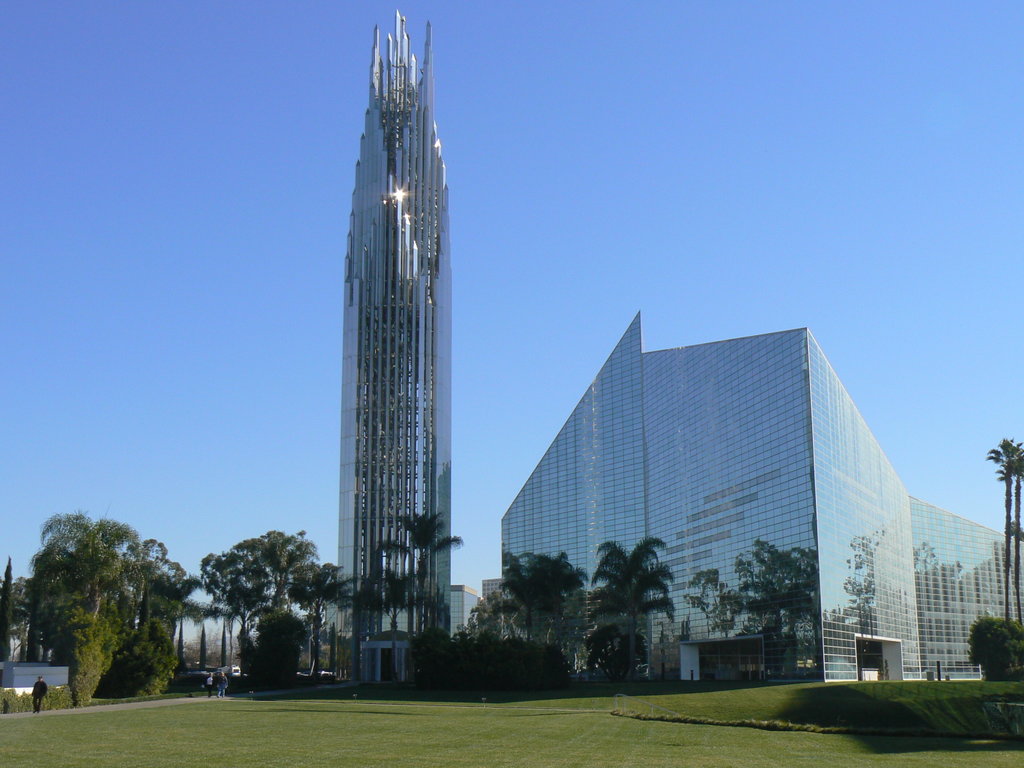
{"type": "Point", "coordinates": [167, 702]}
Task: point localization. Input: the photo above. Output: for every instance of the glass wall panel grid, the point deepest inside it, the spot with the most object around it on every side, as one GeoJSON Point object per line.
{"type": "Point", "coordinates": [958, 567]}
{"type": "Point", "coordinates": [864, 535]}
{"type": "Point", "coordinates": [396, 379]}
{"type": "Point", "coordinates": [729, 470]}
{"type": "Point", "coordinates": [588, 487]}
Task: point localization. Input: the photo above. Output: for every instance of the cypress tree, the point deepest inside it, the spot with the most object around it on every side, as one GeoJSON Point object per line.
{"type": "Point", "coordinates": [6, 613]}
{"type": "Point", "coordinates": [223, 642]}
{"type": "Point", "coordinates": [181, 644]}
{"type": "Point", "coordinates": [144, 609]}
{"type": "Point", "coordinates": [202, 648]}
{"type": "Point", "coordinates": [332, 660]}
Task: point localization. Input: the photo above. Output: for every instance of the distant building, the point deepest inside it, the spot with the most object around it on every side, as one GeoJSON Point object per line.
{"type": "Point", "coordinates": [796, 549]}
{"type": "Point", "coordinates": [463, 601]}
{"type": "Point", "coordinates": [489, 587]}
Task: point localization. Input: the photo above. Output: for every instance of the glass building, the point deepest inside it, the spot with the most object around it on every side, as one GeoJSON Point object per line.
{"type": "Point", "coordinates": [396, 379]}
{"type": "Point", "coordinates": [794, 545]}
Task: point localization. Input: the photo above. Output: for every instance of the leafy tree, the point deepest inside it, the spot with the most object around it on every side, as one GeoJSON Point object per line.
{"type": "Point", "coordinates": [715, 600]}
{"type": "Point", "coordinates": [634, 584]}
{"type": "Point", "coordinates": [608, 651]}
{"type": "Point", "coordinates": [275, 654]}
{"type": "Point", "coordinates": [6, 612]}
{"type": "Point", "coordinates": [497, 613]}
{"type": "Point", "coordinates": [314, 588]}
{"type": "Point", "coordinates": [240, 587]}
{"type": "Point", "coordinates": [202, 647]}
{"type": "Point", "coordinates": [998, 646]}
{"type": "Point", "coordinates": [1007, 457]}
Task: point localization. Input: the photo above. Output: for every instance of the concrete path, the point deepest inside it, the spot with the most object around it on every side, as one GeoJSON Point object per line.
{"type": "Point", "coordinates": [196, 699]}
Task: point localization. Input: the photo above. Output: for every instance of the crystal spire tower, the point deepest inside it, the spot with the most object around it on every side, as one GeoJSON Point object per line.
{"type": "Point", "coordinates": [396, 379]}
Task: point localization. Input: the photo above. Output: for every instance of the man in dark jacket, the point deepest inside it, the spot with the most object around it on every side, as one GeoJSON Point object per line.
{"type": "Point", "coordinates": [38, 692]}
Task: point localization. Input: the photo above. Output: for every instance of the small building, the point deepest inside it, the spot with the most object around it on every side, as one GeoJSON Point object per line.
{"type": "Point", "coordinates": [464, 600]}
{"type": "Point", "coordinates": [489, 587]}
{"type": "Point", "coordinates": [22, 675]}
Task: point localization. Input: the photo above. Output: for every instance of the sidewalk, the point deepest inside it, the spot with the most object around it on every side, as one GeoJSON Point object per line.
{"type": "Point", "coordinates": [172, 702]}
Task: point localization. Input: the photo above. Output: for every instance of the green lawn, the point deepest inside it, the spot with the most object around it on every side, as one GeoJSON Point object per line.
{"type": "Point", "coordinates": [311, 731]}
{"type": "Point", "coordinates": [938, 706]}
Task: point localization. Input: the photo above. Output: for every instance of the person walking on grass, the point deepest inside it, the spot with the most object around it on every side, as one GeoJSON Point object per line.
{"type": "Point", "coordinates": [38, 693]}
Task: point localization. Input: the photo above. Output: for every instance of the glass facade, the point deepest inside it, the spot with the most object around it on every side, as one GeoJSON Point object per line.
{"type": "Point", "coordinates": [789, 534]}
{"type": "Point", "coordinates": [589, 486]}
{"type": "Point", "coordinates": [396, 378]}
{"type": "Point", "coordinates": [958, 569]}
{"type": "Point", "coordinates": [864, 535]}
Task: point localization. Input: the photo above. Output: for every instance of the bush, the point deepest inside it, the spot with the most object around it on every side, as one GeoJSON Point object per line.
{"type": "Point", "coordinates": [486, 662]}
{"type": "Point", "coordinates": [95, 638]}
{"type": "Point", "coordinates": [998, 646]}
{"type": "Point", "coordinates": [275, 656]}
{"type": "Point", "coordinates": [56, 698]}
{"type": "Point", "coordinates": [608, 651]}
{"type": "Point", "coordinates": [143, 665]}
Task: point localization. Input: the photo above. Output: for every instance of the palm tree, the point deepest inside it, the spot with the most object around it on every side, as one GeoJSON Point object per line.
{"type": "Point", "coordinates": [314, 588]}
{"type": "Point", "coordinates": [560, 579]}
{"type": "Point", "coordinates": [522, 581]}
{"type": "Point", "coordinates": [425, 538]}
{"type": "Point", "coordinates": [1006, 456]}
{"type": "Point", "coordinates": [634, 583]}
{"type": "Point", "coordinates": [85, 558]}
{"type": "Point", "coordinates": [1018, 476]}
{"type": "Point", "coordinates": [388, 595]}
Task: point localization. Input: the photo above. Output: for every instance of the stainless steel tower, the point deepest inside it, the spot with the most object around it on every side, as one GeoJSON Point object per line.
{"type": "Point", "coordinates": [396, 381]}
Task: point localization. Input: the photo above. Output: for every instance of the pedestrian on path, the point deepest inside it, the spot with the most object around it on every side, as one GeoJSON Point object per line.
{"type": "Point", "coordinates": [209, 685]}
{"type": "Point", "coordinates": [222, 686]}
{"type": "Point", "coordinates": [38, 693]}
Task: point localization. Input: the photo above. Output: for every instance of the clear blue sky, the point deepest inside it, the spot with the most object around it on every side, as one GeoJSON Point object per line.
{"type": "Point", "coordinates": [175, 181]}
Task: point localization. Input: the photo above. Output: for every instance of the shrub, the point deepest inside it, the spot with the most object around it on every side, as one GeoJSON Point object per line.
{"type": "Point", "coordinates": [143, 665]}
{"type": "Point", "coordinates": [275, 656]}
{"type": "Point", "coordinates": [486, 662]}
{"type": "Point", "coordinates": [998, 646]}
{"type": "Point", "coordinates": [56, 698]}
{"type": "Point", "coordinates": [94, 640]}
{"type": "Point", "coordinates": [608, 651]}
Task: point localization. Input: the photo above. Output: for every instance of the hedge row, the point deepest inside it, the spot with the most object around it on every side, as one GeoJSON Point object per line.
{"type": "Point", "coordinates": [784, 725]}
{"type": "Point", "coordinates": [56, 698]}
{"type": "Point", "coordinates": [486, 662]}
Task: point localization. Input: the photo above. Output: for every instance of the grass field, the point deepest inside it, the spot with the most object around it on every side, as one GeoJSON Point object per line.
{"type": "Point", "coordinates": [562, 729]}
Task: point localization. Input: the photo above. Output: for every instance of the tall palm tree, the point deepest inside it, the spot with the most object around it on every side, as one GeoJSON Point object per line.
{"type": "Point", "coordinates": [634, 584]}
{"type": "Point", "coordinates": [522, 581]}
{"type": "Point", "coordinates": [314, 588]}
{"type": "Point", "coordinates": [388, 595]}
{"type": "Point", "coordinates": [425, 538]}
{"type": "Point", "coordinates": [559, 579]}
{"type": "Point", "coordinates": [1018, 476]}
{"type": "Point", "coordinates": [1006, 456]}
